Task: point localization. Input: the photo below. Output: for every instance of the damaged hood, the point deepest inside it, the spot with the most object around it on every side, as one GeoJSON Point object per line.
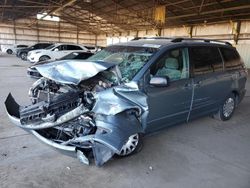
{"type": "Point", "coordinates": [72, 71]}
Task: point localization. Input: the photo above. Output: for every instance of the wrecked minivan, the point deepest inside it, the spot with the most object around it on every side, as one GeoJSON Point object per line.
{"type": "Point", "coordinates": [101, 107]}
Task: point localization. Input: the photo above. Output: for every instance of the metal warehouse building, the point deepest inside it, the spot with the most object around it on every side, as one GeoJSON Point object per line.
{"type": "Point", "coordinates": [202, 153]}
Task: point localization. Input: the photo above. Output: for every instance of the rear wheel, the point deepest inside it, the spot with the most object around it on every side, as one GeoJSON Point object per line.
{"type": "Point", "coordinates": [9, 51]}
{"type": "Point", "coordinates": [44, 58]}
{"type": "Point", "coordinates": [226, 110]}
{"type": "Point", "coordinates": [132, 145]}
{"type": "Point", "coordinates": [23, 56]}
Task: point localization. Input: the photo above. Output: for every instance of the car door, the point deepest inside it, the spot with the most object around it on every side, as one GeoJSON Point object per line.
{"type": "Point", "coordinates": [209, 79]}
{"type": "Point", "coordinates": [169, 105]}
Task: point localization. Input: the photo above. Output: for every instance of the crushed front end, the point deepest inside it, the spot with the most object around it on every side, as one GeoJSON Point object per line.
{"type": "Point", "coordinates": [89, 117]}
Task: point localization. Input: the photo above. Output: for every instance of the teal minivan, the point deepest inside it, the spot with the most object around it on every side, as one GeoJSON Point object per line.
{"type": "Point", "coordinates": [100, 107]}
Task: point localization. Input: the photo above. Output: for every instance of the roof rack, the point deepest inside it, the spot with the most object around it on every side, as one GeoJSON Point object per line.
{"type": "Point", "coordinates": [199, 39]}
{"type": "Point", "coordinates": [139, 38]}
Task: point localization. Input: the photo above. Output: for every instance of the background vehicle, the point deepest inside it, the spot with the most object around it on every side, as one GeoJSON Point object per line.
{"type": "Point", "coordinates": [54, 52]}
{"type": "Point", "coordinates": [23, 52]}
{"type": "Point", "coordinates": [32, 71]}
{"type": "Point", "coordinates": [105, 104]}
{"type": "Point", "coordinates": [12, 48]}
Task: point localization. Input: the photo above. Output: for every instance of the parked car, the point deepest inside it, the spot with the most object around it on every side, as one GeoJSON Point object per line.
{"type": "Point", "coordinates": [23, 52]}
{"type": "Point", "coordinates": [11, 49]}
{"type": "Point", "coordinates": [102, 106]}
{"type": "Point", "coordinates": [32, 71]}
{"type": "Point", "coordinates": [55, 51]}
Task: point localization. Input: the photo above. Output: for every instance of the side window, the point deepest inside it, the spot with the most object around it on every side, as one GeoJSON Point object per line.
{"type": "Point", "coordinates": [231, 59]}
{"type": "Point", "coordinates": [62, 47]}
{"type": "Point", "coordinates": [36, 46]}
{"type": "Point", "coordinates": [73, 47]}
{"type": "Point", "coordinates": [42, 45]}
{"type": "Point", "coordinates": [21, 46]}
{"type": "Point", "coordinates": [83, 55]}
{"type": "Point", "coordinates": [173, 65]}
{"type": "Point", "coordinates": [205, 59]}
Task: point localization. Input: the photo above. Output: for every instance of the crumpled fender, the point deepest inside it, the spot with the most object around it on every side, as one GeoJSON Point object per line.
{"type": "Point", "coordinates": [118, 128]}
{"type": "Point", "coordinates": [121, 98]}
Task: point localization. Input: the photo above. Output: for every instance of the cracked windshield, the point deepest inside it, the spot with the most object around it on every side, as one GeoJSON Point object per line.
{"type": "Point", "coordinates": [128, 59]}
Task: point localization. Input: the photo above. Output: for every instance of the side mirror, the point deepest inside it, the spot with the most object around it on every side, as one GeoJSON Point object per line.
{"type": "Point", "coordinates": [56, 49]}
{"type": "Point", "coordinates": [159, 81]}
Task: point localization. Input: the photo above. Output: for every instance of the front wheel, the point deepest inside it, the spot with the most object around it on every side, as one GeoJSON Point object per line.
{"type": "Point", "coordinates": [132, 145]}
{"type": "Point", "coordinates": [24, 56]}
{"type": "Point", "coordinates": [44, 58]}
{"type": "Point", "coordinates": [226, 110]}
{"type": "Point", "coordinates": [9, 51]}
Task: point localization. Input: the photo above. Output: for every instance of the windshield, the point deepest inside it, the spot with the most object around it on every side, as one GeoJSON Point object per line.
{"type": "Point", "coordinates": [129, 59]}
{"type": "Point", "coordinates": [50, 47]}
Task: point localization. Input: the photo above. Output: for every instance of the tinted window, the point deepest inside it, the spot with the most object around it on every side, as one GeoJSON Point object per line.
{"type": "Point", "coordinates": [83, 55]}
{"type": "Point", "coordinates": [38, 46]}
{"type": "Point", "coordinates": [50, 47]}
{"type": "Point", "coordinates": [62, 47]}
{"type": "Point", "coordinates": [231, 59]}
{"type": "Point", "coordinates": [172, 65]}
{"type": "Point", "coordinates": [205, 60]}
{"type": "Point", "coordinates": [44, 45]}
{"type": "Point", "coordinates": [73, 47]}
{"type": "Point", "coordinates": [22, 46]}
{"type": "Point", "coordinates": [90, 47]}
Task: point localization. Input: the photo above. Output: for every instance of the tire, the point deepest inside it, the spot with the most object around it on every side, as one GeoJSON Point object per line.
{"type": "Point", "coordinates": [23, 56]}
{"type": "Point", "coordinates": [9, 51]}
{"type": "Point", "coordinates": [226, 110]}
{"type": "Point", "coordinates": [134, 142]}
{"type": "Point", "coordinates": [44, 58]}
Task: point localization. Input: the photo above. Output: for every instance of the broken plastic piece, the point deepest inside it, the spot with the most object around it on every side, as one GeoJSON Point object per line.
{"type": "Point", "coordinates": [83, 159]}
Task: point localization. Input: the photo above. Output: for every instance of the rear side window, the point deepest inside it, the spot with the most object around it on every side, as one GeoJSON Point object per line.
{"type": "Point", "coordinates": [22, 46]}
{"type": "Point", "coordinates": [73, 47]}
{"type": "Point", "coordinates": [83, 55]}
{"type": "Point", "coordinates": [231, 59]}
{"type": "Point", "coordinates": [36, 46]}
{"type": "Point", "coordinates": [90, 47]}
{"type": "Point", "coordinates": [45, 45]}
{"type": "Point", "coordinates": [205, 59]}
{"type": "Point", "coordinates": [62, 47]}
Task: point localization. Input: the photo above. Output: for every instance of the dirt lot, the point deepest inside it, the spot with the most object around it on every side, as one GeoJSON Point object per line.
{"type": "Point", "coordinates": [203, 153]}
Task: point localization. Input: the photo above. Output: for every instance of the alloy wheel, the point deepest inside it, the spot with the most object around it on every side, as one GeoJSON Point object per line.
{"type": "Point", "coordinates": [228, 107]}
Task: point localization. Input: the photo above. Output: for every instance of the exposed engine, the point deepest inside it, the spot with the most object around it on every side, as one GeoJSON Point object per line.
{"type": "Point", "coordinates": [51, 101]}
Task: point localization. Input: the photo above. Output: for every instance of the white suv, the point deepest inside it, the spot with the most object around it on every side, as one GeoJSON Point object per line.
{"type": "Point", "coordinates": [55, 51]}
{"type": "Point", "coordinates": [11, 49]}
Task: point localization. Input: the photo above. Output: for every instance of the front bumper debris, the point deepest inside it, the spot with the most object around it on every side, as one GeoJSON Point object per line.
{"type": "Point", "coordinates": [102, 144]}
